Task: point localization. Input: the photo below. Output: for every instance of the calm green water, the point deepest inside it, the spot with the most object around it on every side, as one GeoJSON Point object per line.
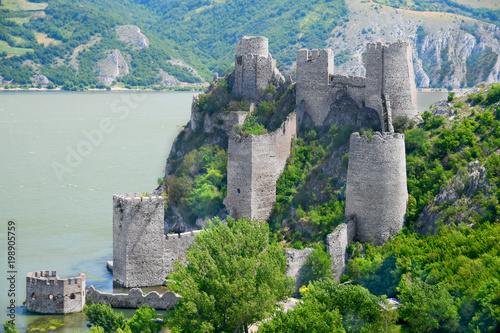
{"type": "Point", "coordinates": [62, 206]}
{"type": "Point", "coordinates": [63, 155]}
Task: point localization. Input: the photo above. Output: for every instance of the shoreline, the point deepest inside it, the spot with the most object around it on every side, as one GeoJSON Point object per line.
{"type": "Point", "coordinates": [120, 89]}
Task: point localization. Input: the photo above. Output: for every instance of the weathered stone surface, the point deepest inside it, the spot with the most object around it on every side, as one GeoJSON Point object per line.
{"type": "Point", "coordinates": [336, 246]}
{"type": "Point", "coordinates": [254, 68]}
{"type": "Point", "coordinates": [134, 299]}
{"type": "Point", "coordinates": [132, 34]}
{"type": "Point", "coordinates": [112, 67]}
{"type": "Point", "coordinates": [47, 293]}
{"type": "Point", "coordinates": [138, 240]}
{"type": "Point", "coordinates": [295, 261]}
{"type": "Point", "coordinates": [142, 254]}
{"type": "Point", "coordinates": [389, 72]}
{"type": "Point", "coordinates": [376, 191]}
{"type": "Point", "coordinates": [255, 163]}
{"type": "Point", "coordinates": [40, 79]}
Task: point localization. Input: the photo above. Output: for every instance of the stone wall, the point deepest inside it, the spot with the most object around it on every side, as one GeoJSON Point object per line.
{"type": "Point", "coordinates": [47, 293]}
{"type": "Point", "coordinates": [295, 261]}
{"type": "Point", "coordinates": [134, 299]}
{"type": "Point", "coordinates": [138, 240]}
{"type": "Point", "coordinates": [254, 165]}
{"type": "Point", "coordinates": [336, 246]}
{"type": "Point", "coordinates": [175, 247]}
{"type": "Point", "coordinates": [376, 190]}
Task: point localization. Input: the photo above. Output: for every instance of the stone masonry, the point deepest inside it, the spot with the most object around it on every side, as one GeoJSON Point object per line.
{"type": "Point", "coordinates": [134, 299]}
{"type": "Point", "coordinates": [255, 163]}
{"type": "Point", "coordinates": [142, 254]}
{"type": "Point", "coordinates": [389, 77]}
{"type": "Point", "coordinates": [48, 294]}
{"type": "Point", "coordinates": [376, 191]}
{"type": "Point", "coordinates": [254, 67]}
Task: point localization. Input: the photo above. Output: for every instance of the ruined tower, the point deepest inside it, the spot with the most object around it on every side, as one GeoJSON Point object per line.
{"type": "Point", "coordinates": [254, 67]}
{"type": "Point", "coordinates": [376, 190]}
{"type": "Point", "coordinates": [313, 93]}
{"type": "Point", "coordinates": [390, 80]}
{"type": "Point", "coordinates": [255, 163]}
{"type": "Point", "coordinates": [47, 293]}
{"type": "Point", "coordinates": [138, 240]}
{"type": "Point", "coordinates": [389, 86]}
{"type": "Point", "coordinates": [142, 254]}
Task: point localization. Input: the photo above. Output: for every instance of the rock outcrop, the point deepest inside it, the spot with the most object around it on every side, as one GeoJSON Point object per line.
{"type": "Point", "coordinates": [132, 34]}
{"type": "Point", "coordinates": [112, 67]}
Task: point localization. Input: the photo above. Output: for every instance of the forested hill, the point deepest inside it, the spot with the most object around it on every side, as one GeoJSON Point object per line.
{"type": "Point", "coordinates": [86, 43]}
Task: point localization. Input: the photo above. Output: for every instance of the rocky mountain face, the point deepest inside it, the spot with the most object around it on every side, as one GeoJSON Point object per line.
{"type": "Point", "coordinates": [448, 50]}
{"type": "Point", "coordinates": [112, 67]}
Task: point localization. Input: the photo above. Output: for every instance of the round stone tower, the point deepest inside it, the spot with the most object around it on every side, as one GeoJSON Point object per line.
{"type": "Point", "coordinates": [254, 67]}
{"type": "Point", "coordinates": [376, 192]}
{"type": "Point", "coordinates": [256, 45]}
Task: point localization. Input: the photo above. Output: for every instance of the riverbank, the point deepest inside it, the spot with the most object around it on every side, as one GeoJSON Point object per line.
{"type": "Point", "coordinates": [122, 89]}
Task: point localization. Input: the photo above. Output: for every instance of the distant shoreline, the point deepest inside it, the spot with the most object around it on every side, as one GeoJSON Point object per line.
{"type": "Point", "coordinates": [120, 89]}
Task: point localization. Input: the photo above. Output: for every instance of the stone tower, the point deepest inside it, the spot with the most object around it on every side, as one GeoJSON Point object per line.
{"type": "Point", "coordinates": [254, 67]}
{"type": "Point", "coordinates": [376, 190]}
{"type": "Point", "coordinates": [47, 293]}
{"type": "Point", "coordinates": [138, 240]}
{"type": "Point", "coordinates": [314, 69]}
{"type": "Point", "coordinates": [390, 79]}
{"type": "Point", "coordinates": [255, 163]}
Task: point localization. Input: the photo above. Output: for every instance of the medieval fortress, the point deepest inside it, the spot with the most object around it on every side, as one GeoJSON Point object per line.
{"type": "Point", "coordinates": [376, 190]}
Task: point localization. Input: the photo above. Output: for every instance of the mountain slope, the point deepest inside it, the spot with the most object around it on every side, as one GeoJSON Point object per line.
{"type": "Point", "coordinates": [451, 49]}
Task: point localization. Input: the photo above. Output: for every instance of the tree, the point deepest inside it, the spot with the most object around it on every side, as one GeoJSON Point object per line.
{"type": "Point", "coordinates": [233, 277]}
{"type": "Point", "coordinates": [330, 307]}
{"type": "Point", "coordinates": [9, 326]}
{"type": "Point", "coordinates": [318, 265]}
{"type": "Point", "coordinates": [106, 320]}
{"type": "Point", "coordinates": [426, 308]}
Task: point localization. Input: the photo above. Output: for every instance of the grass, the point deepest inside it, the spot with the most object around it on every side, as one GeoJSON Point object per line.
{"type": "Point", "coordinates": [4, 47]}
{"type": "Point", "coordinates": [42, 38]}
{"type": "Point", "coordinates": [19, 20]}
{"type": "Point", "coordinates": [23, 5]}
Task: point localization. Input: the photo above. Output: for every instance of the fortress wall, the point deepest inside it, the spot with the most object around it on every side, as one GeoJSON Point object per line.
{"type": "Point", "coordinates": [353, 86]}
{"type": "Point", "coordinates": [239, 177]}
{"type": "Point", "coordinates": [74, 294]}
{"type": "Point", "coordinates": [336, 245]}
{"type": "Point", "coordinates": [134, 299]}
{"type": "Point", "coordinates": [399, 79]}
{"type": "Point", "coordinates": [284, 136]}
{"type": "Point", "coordinates": [313, 94]}
{"type": "Point", "coordinates": [295, 261]}
{"type": "Point", "coordinates": [138, 240]}
{"type": "Point", "coordinates": [175, 247]}
{"type": "Point", "coordinates": [228, 119]}
{"type": "Point", "coordinates": [376, 190]}
{"type": "Point", "coordinates": [374, 78]}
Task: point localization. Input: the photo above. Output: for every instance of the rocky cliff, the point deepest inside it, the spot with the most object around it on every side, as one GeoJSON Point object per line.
{"type": "Point", "coordinates": [449, 50]}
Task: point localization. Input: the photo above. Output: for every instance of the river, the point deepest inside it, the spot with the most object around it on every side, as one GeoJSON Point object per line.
{"type": "Point", "coordinates": [63, 155]}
